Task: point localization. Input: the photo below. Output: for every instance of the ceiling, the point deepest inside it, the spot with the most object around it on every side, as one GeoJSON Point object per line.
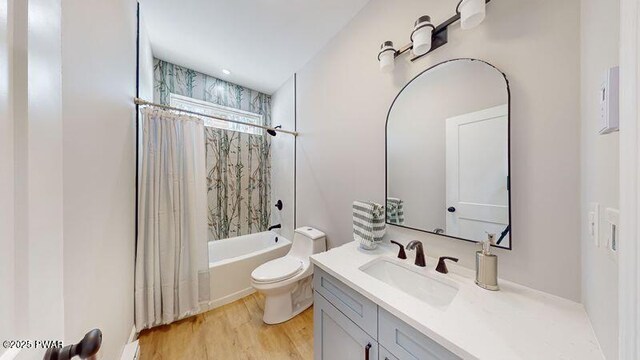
{"type": "Point", "coordinates": [262, 42]}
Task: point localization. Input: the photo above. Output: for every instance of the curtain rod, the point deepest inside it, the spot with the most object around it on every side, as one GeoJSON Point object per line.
{"type": "Point", "coordinates": [139, 101]}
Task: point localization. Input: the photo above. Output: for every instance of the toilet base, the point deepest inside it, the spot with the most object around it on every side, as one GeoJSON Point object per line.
{"type": "Point", "coordinates": [282, 303]}
{"type": "Point", "coordinates": [274, 315]}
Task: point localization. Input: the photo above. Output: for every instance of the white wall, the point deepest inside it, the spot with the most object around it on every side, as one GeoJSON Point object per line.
{"type": "Point", "coordinates": [38, 169]}
{"type": "Point", "coordinates": [98, 62]}
{"type": "Point", "coordinates": [628, 275]}
{"type": "Point", "coordinates": [7, 242]}
{"type": "Point", "coordinates": [31, 237]}
{"type": "Point", "coordinates": [146, 63]}
{"type": "Point", "coordinates": [600, 169]}
{"type": "Point", "coordinates": [67, 159]}
{"type": "Point", "coordinates": [343, 100]}
{"type": "Point", "coordinates": [282, 157]}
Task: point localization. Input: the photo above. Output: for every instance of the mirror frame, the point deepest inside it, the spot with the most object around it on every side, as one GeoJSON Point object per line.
{"type": "Point", "coordinates": [509, 177]}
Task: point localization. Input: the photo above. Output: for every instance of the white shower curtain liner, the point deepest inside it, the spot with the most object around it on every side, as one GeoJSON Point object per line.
{"type": "Point", "coordinates": [172, 219]}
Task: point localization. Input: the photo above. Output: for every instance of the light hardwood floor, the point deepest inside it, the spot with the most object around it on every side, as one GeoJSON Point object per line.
{"type": "Point", "coordinates": [233, 331]}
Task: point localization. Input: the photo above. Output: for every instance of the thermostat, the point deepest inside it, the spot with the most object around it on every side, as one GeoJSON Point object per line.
{"type": "Point", "coordinates": [609, 91]}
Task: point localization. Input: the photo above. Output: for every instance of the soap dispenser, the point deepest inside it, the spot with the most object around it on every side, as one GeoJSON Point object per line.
{"type": "Point", "coordinates": [487, 265]}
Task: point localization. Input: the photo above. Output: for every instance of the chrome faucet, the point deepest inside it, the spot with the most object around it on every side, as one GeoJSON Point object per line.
{"type": "Point", "coordinates": [415, 244]}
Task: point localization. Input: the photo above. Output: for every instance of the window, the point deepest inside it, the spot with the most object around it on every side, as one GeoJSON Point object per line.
{"type": "Point", "coordinates": [208, 108]}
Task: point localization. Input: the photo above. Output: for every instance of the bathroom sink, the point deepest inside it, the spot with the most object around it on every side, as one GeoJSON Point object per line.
{"type": "Point", "coordinates": [415, 282]}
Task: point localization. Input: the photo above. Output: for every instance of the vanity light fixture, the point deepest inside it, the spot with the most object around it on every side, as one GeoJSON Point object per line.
{"type": "Point", "coordinates": [426, 37]}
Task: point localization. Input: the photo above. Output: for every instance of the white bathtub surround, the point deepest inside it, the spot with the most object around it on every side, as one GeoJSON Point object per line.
{"type": "Point", "coordinates": [232, 260]}
{"type": "Point", "coordinates": [172, 219]}
{"type": "Point", "coordinates": [283, 158]}
{"type": "Point", "coordinates": [514, 323]}
{"type": "Point", "coordinates": [286, 281]}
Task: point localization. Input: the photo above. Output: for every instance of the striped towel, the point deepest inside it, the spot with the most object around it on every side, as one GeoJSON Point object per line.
{"type": "Point", "coordinates": [368, 223]}
{"type": "Point", "coordinates": [395, 211]}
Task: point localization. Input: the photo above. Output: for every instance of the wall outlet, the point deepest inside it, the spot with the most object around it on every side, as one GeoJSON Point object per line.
{"type": "Point", "coordinates": [593, 223]}
{"type": "Point", "coordinates": [612, 218]}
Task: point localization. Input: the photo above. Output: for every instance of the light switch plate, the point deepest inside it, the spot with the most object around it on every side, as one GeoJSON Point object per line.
{"type": "Point", "coordinates": [609, 94]}
{"type": "Point", "coordinates": [593, 223]}
{"type": "Point", "coordinates": [612, 218]}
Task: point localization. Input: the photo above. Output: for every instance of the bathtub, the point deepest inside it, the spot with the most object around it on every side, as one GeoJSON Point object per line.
{"type": "Point", "coordinates": [232, 260]}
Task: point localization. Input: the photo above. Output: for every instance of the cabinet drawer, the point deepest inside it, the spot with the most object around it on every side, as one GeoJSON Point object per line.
{"type": "Point", "coordinates": [384, 354]}
{"type": "Point", "coordinates": [407, 343]}
{"type": "Point", "coordinates": [355, 306]}
{"type": "Point", "coordinates": [335, 337]}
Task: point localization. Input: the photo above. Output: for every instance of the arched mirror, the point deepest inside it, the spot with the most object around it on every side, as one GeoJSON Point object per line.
{"type": "Point", "coordinates": [447, 153]}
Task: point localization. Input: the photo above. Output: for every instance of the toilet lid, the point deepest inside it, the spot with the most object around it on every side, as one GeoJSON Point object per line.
{"type": "Point", "coordinates": [276, 270]}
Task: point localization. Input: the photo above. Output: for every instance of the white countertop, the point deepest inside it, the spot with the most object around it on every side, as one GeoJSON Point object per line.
{"type": "Point", "coordinates": [514, 323]}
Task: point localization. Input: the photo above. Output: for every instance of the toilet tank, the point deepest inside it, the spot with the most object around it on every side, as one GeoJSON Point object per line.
{"type": "Point", "coordinates": [307, 241]}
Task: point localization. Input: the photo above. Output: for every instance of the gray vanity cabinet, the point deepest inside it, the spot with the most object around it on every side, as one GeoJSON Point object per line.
{"type": "Point", "coordinates": [405, 342]}
{"type": "Point", "coordinates": [354, 305]}
{"type": "Point", "coordinates": [384, 354]}
{"type": "Point", "coordinates": [348, 326]}
{"type": "Point", "coordinates": [338, 338]}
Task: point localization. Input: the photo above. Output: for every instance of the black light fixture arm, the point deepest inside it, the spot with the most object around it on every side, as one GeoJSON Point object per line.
{"type": "Point", "coordinates": [440, 36]}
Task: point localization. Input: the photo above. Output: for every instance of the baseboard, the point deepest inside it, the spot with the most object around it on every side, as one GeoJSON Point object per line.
{"type": "Point", "coordinates": [10, 354]}
{"type": "Point", "coordinates": [130, 349]}
{"type": "Point", "coordinates": [133, 335]}
{"type": "Point", "coordinates": [228, 299]}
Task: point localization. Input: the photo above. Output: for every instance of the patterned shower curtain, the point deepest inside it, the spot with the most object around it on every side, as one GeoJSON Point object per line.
{"type": "Point", "coordinates": [238, 164]}
{"type": "Point", "coordinates": [238, 183]}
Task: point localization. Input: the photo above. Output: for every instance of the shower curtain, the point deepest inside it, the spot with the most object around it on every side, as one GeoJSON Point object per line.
{"type": "Point", "coordinates": [171, 276]}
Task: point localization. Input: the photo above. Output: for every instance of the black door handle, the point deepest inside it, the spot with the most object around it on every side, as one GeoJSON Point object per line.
{"type": "Point", "coordinates": [86, 348]}
{"type": "Point", "coordinates": [366, 351]}
{"type": "Point", "coordinates": [451, 209]}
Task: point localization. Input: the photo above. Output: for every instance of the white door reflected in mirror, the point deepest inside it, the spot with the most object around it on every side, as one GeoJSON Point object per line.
{"type": "Point", "coordinates": [448, 153]}
{"type": "Point", "coordinates": [476, 174]}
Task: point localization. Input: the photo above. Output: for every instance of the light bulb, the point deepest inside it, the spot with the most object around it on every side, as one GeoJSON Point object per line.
{"type": "Point", "coordinates": [422, 35]}
{"type": "Point", "coordinates": [472, 13]}
{"type": "Point", "coordinates": [386, 57]}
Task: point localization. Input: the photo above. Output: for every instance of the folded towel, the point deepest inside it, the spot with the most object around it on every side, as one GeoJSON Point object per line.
{"type": "Point", "coordinates": [395, 211]}
{"type": "Point", "coordinates": [368, 223]}
{"type": "Point", "coordinates": [379, 225]}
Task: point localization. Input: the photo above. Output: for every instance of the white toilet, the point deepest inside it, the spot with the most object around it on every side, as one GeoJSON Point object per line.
{"type": "Point", "coordinates": [286, 281]}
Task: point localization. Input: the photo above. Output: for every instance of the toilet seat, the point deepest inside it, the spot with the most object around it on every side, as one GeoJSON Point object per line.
{"type": "Point", "coordinates": [277, 270]}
